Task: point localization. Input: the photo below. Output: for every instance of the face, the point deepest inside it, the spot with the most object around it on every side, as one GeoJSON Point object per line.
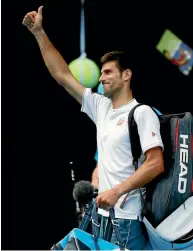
{"type": "Point", "coordinates": [111, 78]}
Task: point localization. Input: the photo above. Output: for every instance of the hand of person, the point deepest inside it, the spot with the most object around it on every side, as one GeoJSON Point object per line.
{"type": "Point", "coordinates": [33, 20]}
{"type": "Point", "coordinates": [107, 199]}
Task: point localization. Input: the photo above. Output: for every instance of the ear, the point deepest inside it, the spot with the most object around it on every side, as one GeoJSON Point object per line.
{"type": "Point", "coordinates": [127, 75]}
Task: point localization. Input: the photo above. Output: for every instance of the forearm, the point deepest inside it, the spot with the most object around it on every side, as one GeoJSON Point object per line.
{"type": "Point", "coordinates": [52, 58]}
{"type": "Point", "coordinates": [147, 172]}
{"type": "Point", "coordinates": [95, 180]}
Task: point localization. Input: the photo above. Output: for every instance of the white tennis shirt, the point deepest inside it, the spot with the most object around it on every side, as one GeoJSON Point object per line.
{"type": "Point", "coordinates": [114, 149]}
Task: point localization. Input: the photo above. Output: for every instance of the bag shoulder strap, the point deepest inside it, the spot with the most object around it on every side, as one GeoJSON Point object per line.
{"type": "Point", "coordinates": [134, 136]}
{"type": "Point", "coordinates": [87, 216]}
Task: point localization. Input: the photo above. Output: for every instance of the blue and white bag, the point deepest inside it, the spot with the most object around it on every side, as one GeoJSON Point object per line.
{"type": "Point", "coordinates": [79, 239]}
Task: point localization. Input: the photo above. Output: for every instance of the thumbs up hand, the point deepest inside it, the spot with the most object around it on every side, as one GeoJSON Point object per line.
{"type": "Point", "coordinates": [33, 20]}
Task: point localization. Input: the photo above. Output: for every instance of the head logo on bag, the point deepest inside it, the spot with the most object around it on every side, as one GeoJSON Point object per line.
{"type": "Point", "coordinates": [182, 183]}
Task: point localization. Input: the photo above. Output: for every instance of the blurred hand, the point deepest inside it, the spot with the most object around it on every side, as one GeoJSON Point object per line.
{"type": "Point", "coordinates": [33, 20]}
{"type": "Point", "coordinates": [107, 199]}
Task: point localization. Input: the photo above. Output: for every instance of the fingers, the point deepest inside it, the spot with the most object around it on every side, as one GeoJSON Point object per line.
{"type": "Point", "coordinates": [27, 23]}
{"type": "Point", "coordinates": [34, 13]}
{"type": "Point", "coordinates": [29, 19]}
{"type": "Point", "coordinates": [101, 203]}
{"type": "Point", "coordinates": [31, 16]}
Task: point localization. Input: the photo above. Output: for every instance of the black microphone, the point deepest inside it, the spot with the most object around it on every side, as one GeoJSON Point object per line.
{"type": "Point", "coordinates": [83, 192]}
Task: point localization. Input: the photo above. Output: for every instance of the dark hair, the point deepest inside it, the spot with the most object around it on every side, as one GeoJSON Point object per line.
{"type": "Point", "coordinates": [122, 59]}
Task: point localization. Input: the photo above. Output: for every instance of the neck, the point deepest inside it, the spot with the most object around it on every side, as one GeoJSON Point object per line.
{"type": "Point", "coordinates": [121, 98]}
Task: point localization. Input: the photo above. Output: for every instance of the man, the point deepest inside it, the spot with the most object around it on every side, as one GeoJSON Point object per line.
{"type": "Point", "coordinates": [116, 172]}
{"type": "Point", "coordinates": [94, 177]}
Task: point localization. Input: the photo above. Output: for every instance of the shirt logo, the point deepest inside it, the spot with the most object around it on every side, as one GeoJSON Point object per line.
{"type": "Point", "coordinates": [120, 122]}
{"type": "Point", "coordinates": [153, 134]}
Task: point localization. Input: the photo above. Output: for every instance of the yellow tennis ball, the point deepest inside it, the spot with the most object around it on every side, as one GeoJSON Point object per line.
{"type": "Point", "coordinates": [85, 71]}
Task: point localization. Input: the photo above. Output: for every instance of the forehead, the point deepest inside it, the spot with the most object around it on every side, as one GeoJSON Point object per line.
{"type": "Point", "coordinates": [109, 66]}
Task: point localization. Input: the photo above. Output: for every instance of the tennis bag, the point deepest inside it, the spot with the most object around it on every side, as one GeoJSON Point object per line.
{"type": "Point", "coordinates": [172, 188]}
{"type": "Point", "coordinates": [79, 239]}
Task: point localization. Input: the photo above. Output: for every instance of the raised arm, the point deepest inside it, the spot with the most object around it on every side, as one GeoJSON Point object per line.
{"type": "Point", "coordinates": [55, 63]}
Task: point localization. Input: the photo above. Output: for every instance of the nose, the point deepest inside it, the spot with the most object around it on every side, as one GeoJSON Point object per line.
{"type": "Point", "coordinates": [101, 79]}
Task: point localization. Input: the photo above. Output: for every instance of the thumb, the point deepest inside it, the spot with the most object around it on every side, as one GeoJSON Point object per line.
{"type": "Point", "coordinates": [40, 10]}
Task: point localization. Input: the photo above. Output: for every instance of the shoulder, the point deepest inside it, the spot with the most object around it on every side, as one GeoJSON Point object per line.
{"type": "Point", "coordinates": [142, 110]}
{"type": "Point", "coordinates": [145, 113]}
